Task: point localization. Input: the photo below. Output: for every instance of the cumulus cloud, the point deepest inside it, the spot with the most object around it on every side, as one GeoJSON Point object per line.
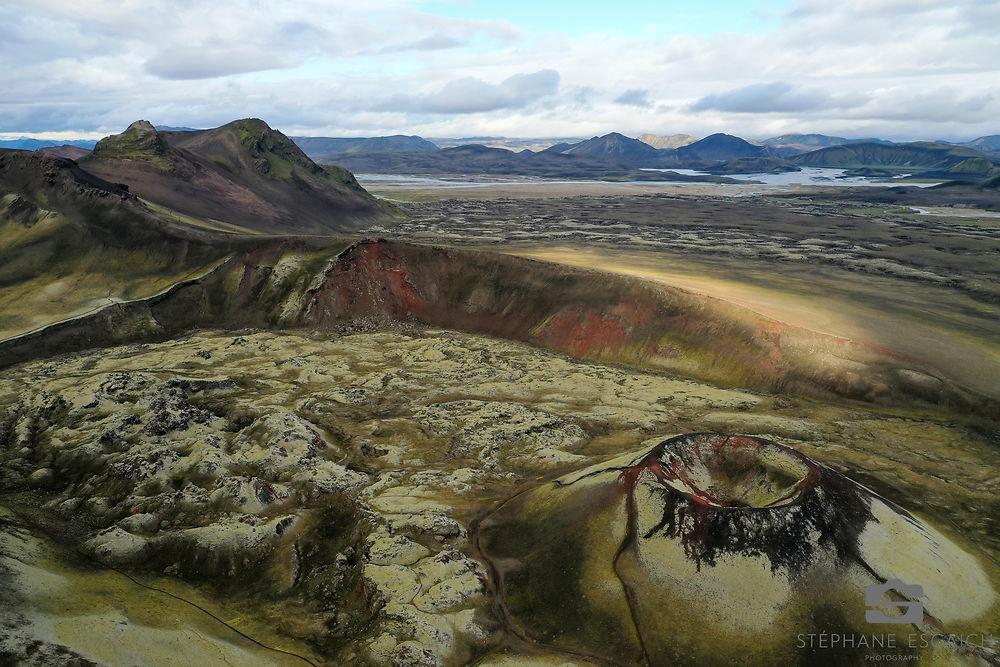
{"type": "Point", "coordinates": [893, 68]}
{"type": "Point", "coordinates": [471, 95]}
{"type": "Point", "coordinates": [193, 62]}
{"type": "Point", "coordinates": [947, 104]}
{"type": "Point", "coordinates": [635, 97]}
{"type": "Point", "coordinates": [763, 98]}
{"type": "Point", "coordinates": [435, 42]}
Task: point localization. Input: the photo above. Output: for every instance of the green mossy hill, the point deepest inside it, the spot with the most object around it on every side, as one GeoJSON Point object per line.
{"type": "Point", "coordinates": [754, 165]}
{"type": "Point", "coordinates": [917, 156]}
{"type": "Point", "coordinates": [990, 184]}
{"type": "Point", "coordinates": [244, 174]}
{"type": "Point", "coordinates": [140, 142]}
{"type": "Point", "coordinates": [344, 177]}
{"type": "Point", "coordinates": [47, 181]}
{"type": "Point", "coordinates": [396, 142]}
{"type": "Point", "coordinates": [70, 243]}
{"type": "Point", "coordinates": [252, 145]}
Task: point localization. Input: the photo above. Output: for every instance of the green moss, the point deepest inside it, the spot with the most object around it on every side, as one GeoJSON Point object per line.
{"type": "Point", "coordinates": [140, 142]}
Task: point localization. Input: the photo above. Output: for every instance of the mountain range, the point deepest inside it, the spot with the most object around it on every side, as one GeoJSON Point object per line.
{"type": "Point", "coordinates": [613, 156]}
{"type": "Point", "coordinates": [931, 159]}
{"type": "Point", "coordinates": [608, 159]}
{"type": "Point", "coordinates": [990, 145]}
{"type": "Point", "coordinates": [29, 144]}
{"type": "Point", "coordinates": [322, 147]}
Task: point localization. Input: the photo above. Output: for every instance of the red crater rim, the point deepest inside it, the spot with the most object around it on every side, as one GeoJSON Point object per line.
{"type": "Point", "coordinates": [730, 471]}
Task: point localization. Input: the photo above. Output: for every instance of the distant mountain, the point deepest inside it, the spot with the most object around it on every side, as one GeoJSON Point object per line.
{"type": "Point", "coordinates": [243, 173]}
{"type": "Point", "coordinates": [27, 144]}
{"type": "Point", "coordinates": [667, 141]}
{"type": "Point", "coordinates": [396, 142]}
{"type": "Point", "coordinates": [66, 151]}
{"type": "Point", "coordinates": [928, 158]}
{"type": "Point", "coordinates": [720, 148]}
{"type": "Point", "coordinates": [989, 145]}
{"type": "Point", "coordinates": [558, 148]}
{"type": "Point", "coordinates": [816, 140]}
{"type": "Point", "coordinates": [318, 147]}
{"type": "Point", "coordinates": [477, 159]}
{"type": "Point", "coordinates": [516, 144]}
{"type": "Point", "coordinates": [617, 147]}
{"type": "Point", "coordinates": [171, 128]}
{"type": "Point", "coordinates": [787, 145]}
{"type": "Point", "coordinates": [812, 140]}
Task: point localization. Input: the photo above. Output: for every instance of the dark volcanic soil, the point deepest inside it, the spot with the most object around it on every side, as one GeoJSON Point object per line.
{"type": "Point", "coordinates": [960, 254]}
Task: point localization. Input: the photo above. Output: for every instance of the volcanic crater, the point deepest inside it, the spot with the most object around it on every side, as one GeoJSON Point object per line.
{"type": "Point", "coordinates": [721, 546]}
{"type": "Point", "coordinates": [731, 471]}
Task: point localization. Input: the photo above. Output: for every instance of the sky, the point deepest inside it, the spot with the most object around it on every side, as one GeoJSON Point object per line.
{"type": "Point", "coordinates": [895, 69]}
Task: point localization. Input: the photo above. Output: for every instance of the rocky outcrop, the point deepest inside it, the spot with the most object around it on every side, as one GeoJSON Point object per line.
{"type": "Point", "coordinates": [140, 141]}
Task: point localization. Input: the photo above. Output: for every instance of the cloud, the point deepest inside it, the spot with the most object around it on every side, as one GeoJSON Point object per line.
{"type": "Point", "coordinates": [635, 97]}
{"type": "Point", "coordinates": [941, 105]}
{"type": "Point", "coordinates": [893, 68]}
{"type": "Point", "coordinates": [764, 98]}
{"type": "Point", "coordinates": [188, 63]}
{"type": "Point", "coordinates": [471, 95]}
{"type": "Point", "coordinates": [436, 42]}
